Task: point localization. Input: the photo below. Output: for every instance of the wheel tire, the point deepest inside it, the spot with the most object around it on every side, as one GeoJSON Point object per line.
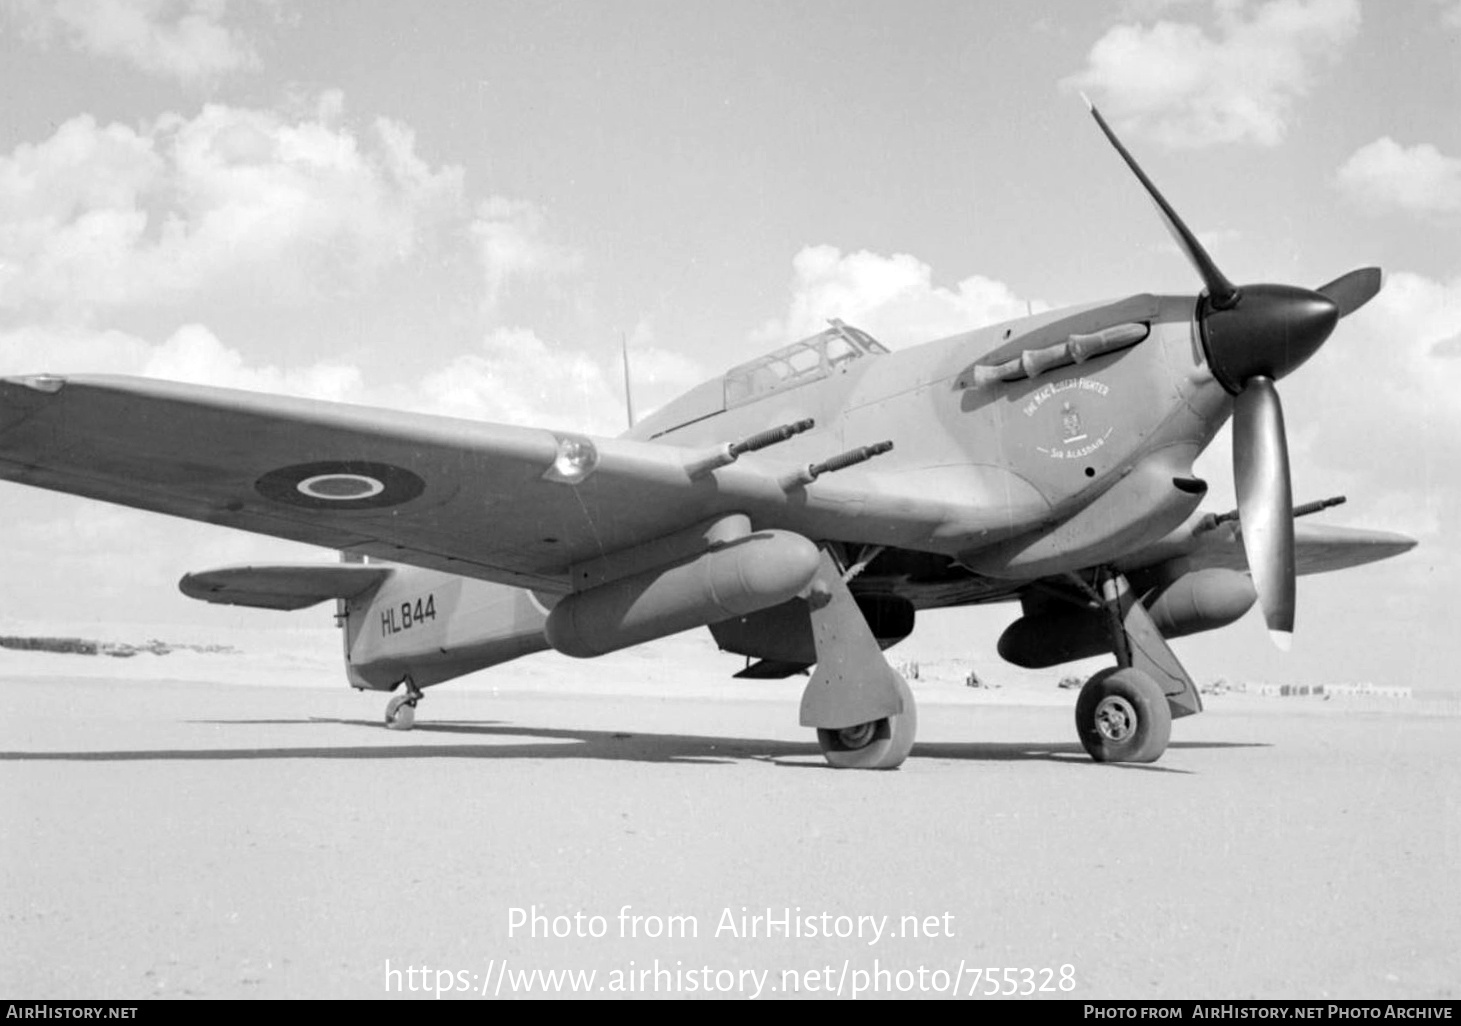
{"type": "Point", "coordinates": [1122, 716]}
{"type": "Point", "coordinates": [882, 744]}
{"type": "Point", "coordinates": [400, 713]}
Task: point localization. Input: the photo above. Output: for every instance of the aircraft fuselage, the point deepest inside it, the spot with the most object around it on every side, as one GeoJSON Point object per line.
{"type": "Point", "coordinates": [982, 472]}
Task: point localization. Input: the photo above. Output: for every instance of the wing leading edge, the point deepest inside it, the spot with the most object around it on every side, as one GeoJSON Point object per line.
{"type": "Point", "coordinates": [508, 504]}
{"type": "Point", "coordinates": [520, 506]}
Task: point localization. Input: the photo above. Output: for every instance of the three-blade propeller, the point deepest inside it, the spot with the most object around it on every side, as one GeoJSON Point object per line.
{"type": "Point", "coordinates": [1254, 335]}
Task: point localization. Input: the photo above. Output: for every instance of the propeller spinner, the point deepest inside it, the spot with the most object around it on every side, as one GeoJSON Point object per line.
{"type": "Point", "coordinates": [1254, 335]}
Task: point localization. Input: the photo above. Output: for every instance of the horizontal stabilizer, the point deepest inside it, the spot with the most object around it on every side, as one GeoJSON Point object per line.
{"type": "Point", "coordinates": [283, 585]}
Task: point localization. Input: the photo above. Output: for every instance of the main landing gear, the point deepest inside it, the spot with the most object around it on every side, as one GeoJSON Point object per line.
{"type": "Point", "coordinates": [401, 709]}
{"type": "Point", "coordinates": [862, 709]}
{"type": "Point", "coordinates": [1122, 716]}
{"type": "Point", "coordinates": [1125, 713]}
{"type": "Point", "coordinates": [876, 744]}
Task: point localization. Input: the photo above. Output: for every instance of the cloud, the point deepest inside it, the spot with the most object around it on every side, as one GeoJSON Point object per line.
{"type": "Point", "coordinates": [893, 298]}
{"type": "Point", "coordinates": [1187, 87]}
{"type": "Point", "coordinates": [512, 244]}
{"type": "Point", "coordinates": [195, 355]}
{"type": "Point", "coordinates": [181, 222]}
{"type": "Point", "coordinates": [1418, 179]}
{"type": "Point", "coordinates": [192, 354]}
{"type": "Point", "coordinates": [518, 378]}
{"type": "Point", "coordinates": [112, 215]}
{"type": "Point", "coordinates": [513, 377]}
{"type": "Point", "coordinates": [1376, 410]}
{"type": "Point", "coordinates": [182, 39]}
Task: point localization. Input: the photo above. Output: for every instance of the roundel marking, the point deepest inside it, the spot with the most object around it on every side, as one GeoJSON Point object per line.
{"type": "Point", "coordinates": [340, 485]}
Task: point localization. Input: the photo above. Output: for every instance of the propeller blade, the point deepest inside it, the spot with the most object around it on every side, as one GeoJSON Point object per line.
{"type": "Point", "coordinates": [1353, 290]}
{"type": "Point", "coordinates": [1265, 503]}
{"type": "Point", "coordinates": [1250, 338]}
{"type": "Point", "coordinates": [1221, 292]}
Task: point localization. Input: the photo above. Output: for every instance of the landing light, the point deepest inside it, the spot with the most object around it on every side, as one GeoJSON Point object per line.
{"type": "Point", "coordinates": [576, 459]}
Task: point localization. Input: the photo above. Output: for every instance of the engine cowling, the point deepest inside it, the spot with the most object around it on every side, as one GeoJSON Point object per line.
{"type": "Point", "coordinates": [1197, 601]}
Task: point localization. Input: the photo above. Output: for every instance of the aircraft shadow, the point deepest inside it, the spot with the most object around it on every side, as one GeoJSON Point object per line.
{"type": "Point", "coordinates": [562, 743]}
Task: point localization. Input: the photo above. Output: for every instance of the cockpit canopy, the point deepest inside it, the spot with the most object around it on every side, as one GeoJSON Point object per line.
{"type": "Point", "coordinates": [811, 359]}
{"type": "Point", "coordinates": [799, 363]}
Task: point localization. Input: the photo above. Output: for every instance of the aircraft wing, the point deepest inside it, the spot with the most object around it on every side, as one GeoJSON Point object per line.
{"type": "Point", "coordinates": [1319, 548]}
{"type": "Point", "coordinates": [508, 504]}
{"type": "Point", "coordinates": [283, 586]}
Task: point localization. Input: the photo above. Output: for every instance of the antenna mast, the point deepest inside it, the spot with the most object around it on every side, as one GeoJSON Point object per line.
{"type": "Point", "coordinates": [628, 393]}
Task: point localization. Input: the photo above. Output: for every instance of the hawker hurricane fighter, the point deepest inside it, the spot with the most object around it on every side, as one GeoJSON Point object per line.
{"type": "Point", "coordinates": [804, 506]}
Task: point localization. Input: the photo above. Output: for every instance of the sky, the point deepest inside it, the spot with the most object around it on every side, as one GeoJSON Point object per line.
{"type": "Point", "coordinates": [461, 208]}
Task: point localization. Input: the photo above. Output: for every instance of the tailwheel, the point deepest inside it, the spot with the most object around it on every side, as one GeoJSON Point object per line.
{"type": "Point", "coordinates": [401, 709]}
{"type": "Point", "coordinates": [880, 744]}
{"type": "Point", "coordinates": [1122, 716]}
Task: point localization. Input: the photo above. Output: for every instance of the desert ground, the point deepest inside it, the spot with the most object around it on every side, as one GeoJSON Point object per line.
{"type": "Point", "coordinates": [173, 828]}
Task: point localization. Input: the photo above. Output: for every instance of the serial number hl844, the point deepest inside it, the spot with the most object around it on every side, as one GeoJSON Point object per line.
{"type": "Point", "coordinates": [394, 619]}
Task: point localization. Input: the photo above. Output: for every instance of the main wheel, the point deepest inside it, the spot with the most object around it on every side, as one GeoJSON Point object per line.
{"type": "Point", "coordinates": [881, 744]}
{"type": "Point", "coordinates": [1122, 716]}
{"type": "Point", "coordinates": [401, 712]}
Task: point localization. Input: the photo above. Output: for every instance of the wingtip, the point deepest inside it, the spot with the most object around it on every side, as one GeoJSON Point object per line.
{"type": "Point", "coordinates": [1282, 640]}
{"type": "Point", "coordinates": [1089, 105]}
